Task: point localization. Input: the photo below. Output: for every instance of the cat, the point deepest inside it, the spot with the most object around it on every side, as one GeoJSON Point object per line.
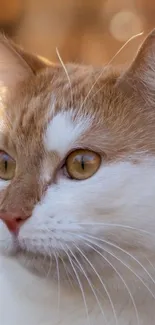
{"type": "Point", "coordinates": [77, 191]}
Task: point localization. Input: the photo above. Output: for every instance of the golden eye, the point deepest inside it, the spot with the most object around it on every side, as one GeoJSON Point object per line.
{"type": "Point", "coordinates": [7, 166]}
{"type": "Point", "coordinates": [82, 164]}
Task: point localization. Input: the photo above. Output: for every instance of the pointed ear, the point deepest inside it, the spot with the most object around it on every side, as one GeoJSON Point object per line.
{"type": "Point", "coordinates": [16, 64]}
{"type": "Point", "coordinates": [140, 76]}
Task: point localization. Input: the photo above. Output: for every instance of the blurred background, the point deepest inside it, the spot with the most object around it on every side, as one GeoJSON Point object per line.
{"type": "Point", "coordinates": [86, 31]}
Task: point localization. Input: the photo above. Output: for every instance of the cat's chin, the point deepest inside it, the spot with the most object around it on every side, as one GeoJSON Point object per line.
{"type": "Point", "coordinates": [58, 266]}
{"type": "Point", "coordinates": [45, 266]}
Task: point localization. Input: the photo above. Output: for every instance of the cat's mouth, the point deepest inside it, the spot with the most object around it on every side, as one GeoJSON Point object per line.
{"type": "Point", "coordinates": [41, 263]}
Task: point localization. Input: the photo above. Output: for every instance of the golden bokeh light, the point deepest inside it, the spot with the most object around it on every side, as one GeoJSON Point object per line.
{"type": "Point", "coordinates": [85, 31]}
{"type": "Point", "coordinates": [125, 24]}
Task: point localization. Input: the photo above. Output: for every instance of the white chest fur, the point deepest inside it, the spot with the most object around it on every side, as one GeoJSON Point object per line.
{"type": "Point", "coordinates": [26, 299]}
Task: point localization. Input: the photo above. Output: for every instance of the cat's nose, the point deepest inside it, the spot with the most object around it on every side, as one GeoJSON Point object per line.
{"type": "Point", "coordinates": [13, 221]}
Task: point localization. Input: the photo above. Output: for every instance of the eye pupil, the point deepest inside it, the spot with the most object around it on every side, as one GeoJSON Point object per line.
{"type": "Point", "coordinates": [82, 163]}
{"type": "Point", "coordinates": [6, 165]}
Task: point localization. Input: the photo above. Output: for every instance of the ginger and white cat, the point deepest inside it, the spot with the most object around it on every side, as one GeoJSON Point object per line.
{"type": "Point", "coordinates": [77, 191]}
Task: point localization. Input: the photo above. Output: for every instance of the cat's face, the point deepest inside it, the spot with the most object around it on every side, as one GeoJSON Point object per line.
{"type": "Point", "coordinates": [77, 160]}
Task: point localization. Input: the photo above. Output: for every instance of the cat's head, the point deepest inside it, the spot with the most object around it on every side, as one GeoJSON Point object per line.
{"type": "Point", "coordinates": [77, 156]}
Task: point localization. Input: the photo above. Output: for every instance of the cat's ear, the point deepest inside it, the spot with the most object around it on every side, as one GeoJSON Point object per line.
{"type": "Point", "coordinates": [16, 64]}
{"type": "Point", "coordinates": [141, 73]}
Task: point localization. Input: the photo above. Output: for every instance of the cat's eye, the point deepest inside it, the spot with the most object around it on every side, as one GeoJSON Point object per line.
{"type": "Point", "coordinates": [7, 166]}
{"type": "Point", "coordinates": [82, 164]}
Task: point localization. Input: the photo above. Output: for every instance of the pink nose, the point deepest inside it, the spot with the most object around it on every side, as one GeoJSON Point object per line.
{"type": "Point", "coordinates": [13, 221]}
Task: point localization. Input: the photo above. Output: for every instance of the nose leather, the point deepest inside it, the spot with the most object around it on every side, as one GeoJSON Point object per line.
{"type": "Point", "coordinates": [13, 221]}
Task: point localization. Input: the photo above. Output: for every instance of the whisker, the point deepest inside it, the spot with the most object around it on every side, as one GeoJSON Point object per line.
{"type": "Point", "coordinates": [103, 284]}
{"type": "Point", "coordinates": [67, 271]}
{"type": "Point", "coordinates": [114, 225]}
{"type": "Point", "coordinates": [108, 63]}
{"type": "Point", "coordinates": [123, 263]}
{"type": "Point", "coordinates": [127, 253]}
{"type": "Point", "coordinates": [66, 72]}
{"type": "Point", "coordinates": [58, 279]}
{"type": "Point", "coordinates": [123, 46]}
{"type": "Point", "coordinates": [50, 268]}
{"type": "Point", "coordinates": [150, 262]}
{"type": "Point", "coordinates": [120, 276]}
{"type": "Point", "coordinates": [89, 282]}
{"type": "Point", "coordinates": [78, 279]}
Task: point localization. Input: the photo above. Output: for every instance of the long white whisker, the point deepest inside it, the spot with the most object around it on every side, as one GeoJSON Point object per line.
{"type": "Point", "coordinates": [127, 253]}
{"type": "Point", "coordinates": [58, 280]}
{"type": "Point", "coordinates": [89, 282]}
{"type": "Point", "coordinates": [126, 265]}
{"type": "Point", "coordinates": [67, 272]}
{"type": "Point", "coordinates": [50, 267]}
{"type": "Point", "coordinates": [114, 225]}
{"type": "Point", "coordinates": [120, 276]}
{"type": "Point", "coordinates": [78, 279]}
{"type": "Point", "coordinates": [150, 263]}
{"type": "Point", "coordinates": [103, 284]}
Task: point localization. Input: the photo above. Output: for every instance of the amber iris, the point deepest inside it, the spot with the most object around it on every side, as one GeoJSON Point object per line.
{"type": "Point", "coordinates": [7, 166]}
{"type": "Point", "coordinates": [82, 164]}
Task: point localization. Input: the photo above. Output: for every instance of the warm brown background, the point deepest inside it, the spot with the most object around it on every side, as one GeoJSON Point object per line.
{"type": "Point", "coordinates": [87, 31]}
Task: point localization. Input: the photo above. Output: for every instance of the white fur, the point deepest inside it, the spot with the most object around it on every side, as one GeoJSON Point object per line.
{"type": "Point", "coordinates": [63, 131]}
{"type": "Point", "coordinates": [120, 193]}
{"type": "Point", "coordinates": [111, 205]}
